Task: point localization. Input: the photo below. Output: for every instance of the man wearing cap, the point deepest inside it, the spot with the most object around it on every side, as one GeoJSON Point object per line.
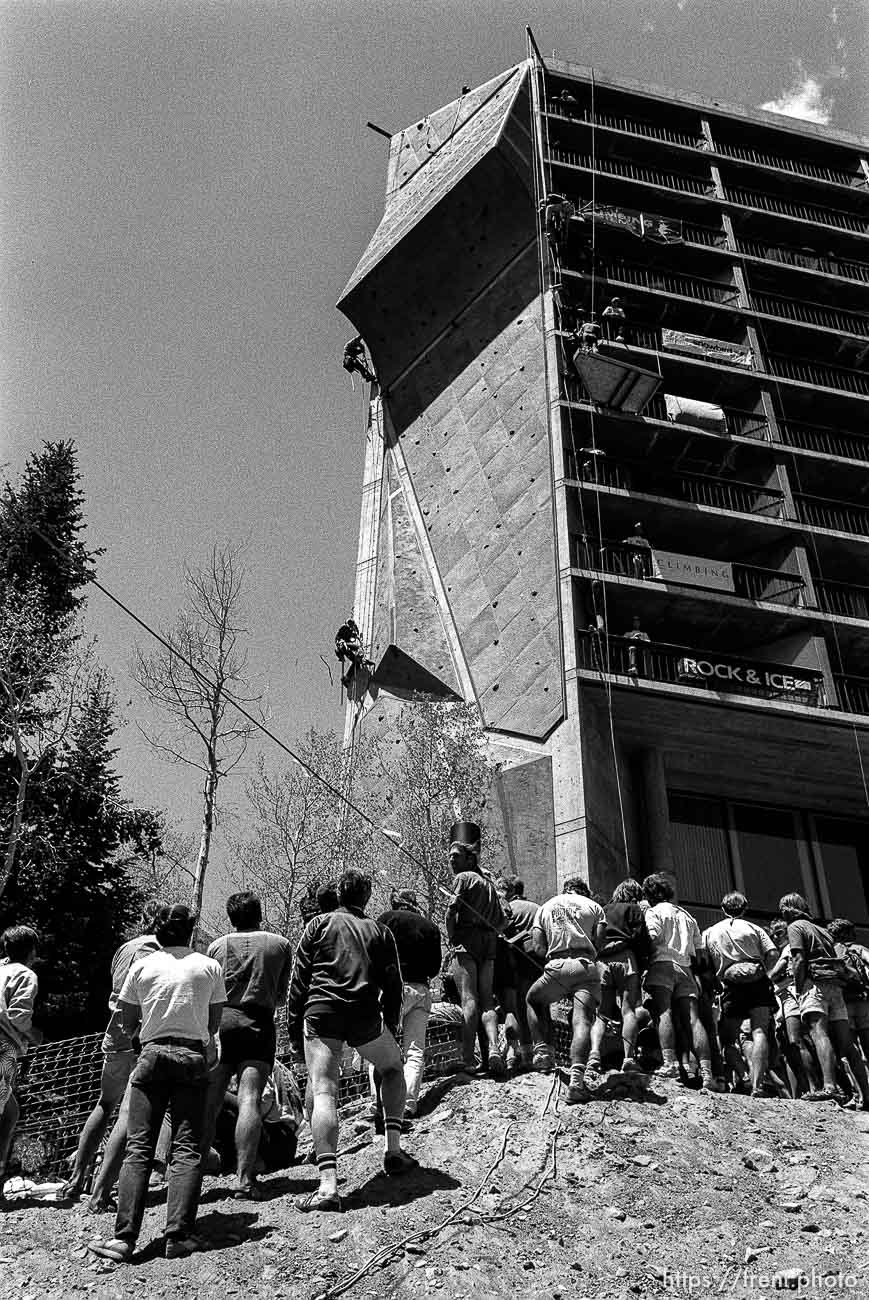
{"type": "Point", "coordinates": [172, 1000]}
{"type": "Point", "coordinates": [474, 920]}
{"type": "Point", "coordinates": [418, 941]}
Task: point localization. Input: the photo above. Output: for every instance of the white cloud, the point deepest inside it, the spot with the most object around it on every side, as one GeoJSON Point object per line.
{"type": "Point", "coordinates": [805, 99]}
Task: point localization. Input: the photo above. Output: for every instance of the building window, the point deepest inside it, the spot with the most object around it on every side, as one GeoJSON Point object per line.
{"type": "Point", "coordinates": [701, 854]}
{"type": "Point", "coordinates": [843, 850]}
{"type": "Point", "coordinates": [766, 841]}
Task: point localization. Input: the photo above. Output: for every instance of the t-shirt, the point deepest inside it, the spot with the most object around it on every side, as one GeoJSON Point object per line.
{"type": "Point", "coordinates": [418, 941]}
{"type": "Point", "coordinates": [520, 922]}
{"type": "Point", "coordinates": [674, 933]}
{"type": "Point", "coordinates": [115, 1040]}
{"type": "Point", "coordinates": [256, 967]}
{"type": "Point", "coordinates": [475, 905]}
{"type": "Point", "coordinates": [625, 928]}
{"type": "Point", "coordinates": [568, 921]}
{"type": "Point", "coordinates": [817, 946]}
{"type": "Point", "coordinates": [174, 987]}
{"type": "Point", "coordinates": [18, 989]}
{"type": "Point", "coordinates": [736, 940]}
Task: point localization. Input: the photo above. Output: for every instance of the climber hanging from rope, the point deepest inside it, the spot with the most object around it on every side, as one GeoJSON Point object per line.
{"type": "Point", "coordinates": [356, 360]}
{"type": "Point", "coordinates": [349, 648]}
{"type": "Point", "coordinates": [557, 212]}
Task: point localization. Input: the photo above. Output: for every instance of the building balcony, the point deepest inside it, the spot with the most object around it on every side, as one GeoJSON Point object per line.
{"type": "Point", "coordinates": [843, 598]}
{"type": "Point", "coordinates": [824, 216]}
{"type": "Point", "coordinates": [629, 125]}
{"type": "Point", "coordinates": [837, 516]}
{"type": "Point", "coordinates": [643, 662]}
{"type": "Point", "coordinates": [797, 166]}
{"type": "Point", "coordinates": [853, 693]}
{"type": "Point", "coordinates": [810, 313]}
{"type": "Point", "coordinates": [737, 423]}
{"type": "Point", "coordinates": [698, 489]}
{"type": "Point", "coordinates": [661, 281]}
{"type": "Point", "coordinates": [682, 182]}
{"type": "Point", "coordinates": [804, 259]}
{"type": "Point", "coordinates": [618, 559]}
{"type": "Point", "coordinates": [819, 375]}
{"type": "Point", "coordinates": [827, 442]}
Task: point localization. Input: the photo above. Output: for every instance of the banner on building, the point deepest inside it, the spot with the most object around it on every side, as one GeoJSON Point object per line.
{"type": "Point", "coordinates": [720, 351]}
{"type": "Point", "coordinates": [693, 570]}
{"type": "Point", "coordinates": [730, 674]}
{"type": "Point", "coordinates": [646, 225]}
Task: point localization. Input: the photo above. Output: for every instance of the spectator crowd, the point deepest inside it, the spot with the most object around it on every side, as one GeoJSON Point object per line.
{"type": "Point", "coordinates": [190, 1075]}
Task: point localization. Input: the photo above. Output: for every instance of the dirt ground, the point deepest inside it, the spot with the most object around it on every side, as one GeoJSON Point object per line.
{"type": "Point", "coordinates": [682, 1193]}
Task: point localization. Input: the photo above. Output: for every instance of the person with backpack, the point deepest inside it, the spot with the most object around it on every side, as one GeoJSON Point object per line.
{"type": "Point", "coordinates": [624, 953]}
{"type": "Point", "coordinates": [819, 976]}
{"type": "Point", "coordinates": [855, 991]}
{"type": "Point", "coordinates": [742, 954]}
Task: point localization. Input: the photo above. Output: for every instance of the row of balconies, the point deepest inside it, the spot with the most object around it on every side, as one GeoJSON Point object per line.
{"type": "Point", "coordinates": [710, 671]}
{"type": "Point", "coordinates": [751, 581]}
{"type": "Point", "coordinates": [709, 490]}
{"type": "Point", "coordinates": [704, 186]}
{"type": "Point", "coordinates": [632, 125]}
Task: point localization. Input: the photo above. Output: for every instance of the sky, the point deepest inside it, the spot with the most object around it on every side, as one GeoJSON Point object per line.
{"type": "Point", "coordinates": [184, 191]}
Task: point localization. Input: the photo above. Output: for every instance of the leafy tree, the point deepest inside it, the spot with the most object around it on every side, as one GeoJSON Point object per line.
{"type": "Point", "coordinates": [191, 688]}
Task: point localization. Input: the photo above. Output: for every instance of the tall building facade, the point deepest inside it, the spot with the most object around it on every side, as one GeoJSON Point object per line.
{"type": "Point", "coordinates": [646, 560]}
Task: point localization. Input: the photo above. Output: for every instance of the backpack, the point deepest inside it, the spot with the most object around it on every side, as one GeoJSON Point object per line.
{"type": "Point", "coordinates": [856, 975]}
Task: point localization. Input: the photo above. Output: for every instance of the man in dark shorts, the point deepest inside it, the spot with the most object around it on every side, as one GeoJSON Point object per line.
{"type": "Point", "coordinates": [418, 941]}
{"type": "Point", "coordinates": [624, 952]}
{"type": "Point", "coordinates": [256, 967]}
{"type": "Point", "coordinates": [346, 987]}
{"type": "Point", "coordinates": [742, 955]}
{"type": "Point", "coordinates": [474, 920]}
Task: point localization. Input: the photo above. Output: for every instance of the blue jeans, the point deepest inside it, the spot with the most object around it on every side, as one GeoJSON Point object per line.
{"type": "Point", "coordinates": [165, 1077]}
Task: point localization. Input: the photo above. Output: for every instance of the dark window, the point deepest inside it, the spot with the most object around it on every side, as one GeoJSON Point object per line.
{"type": "Point", "coordinates": [768, 853]}
{"type": "Point", "coordinates": [701, 855]}
{"type": "Point", "coordinates": [845, 857]}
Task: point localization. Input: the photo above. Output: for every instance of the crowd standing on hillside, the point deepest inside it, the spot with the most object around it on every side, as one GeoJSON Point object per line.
{"type": "Point", "coordinates": [189, 1051]}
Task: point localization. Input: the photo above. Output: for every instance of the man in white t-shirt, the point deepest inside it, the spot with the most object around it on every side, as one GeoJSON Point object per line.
{"type": "Point", "coordinates": [172, 1000]}
{"type": "Point", "coordinates": [670, 981]}
{"type": "Point", "coordinates": [742, 954]}
{"type": "Point", "coordinates": [566, 932]}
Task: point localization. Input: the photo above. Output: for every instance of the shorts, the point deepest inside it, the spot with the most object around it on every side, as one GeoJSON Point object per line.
{"type": "Point", "coordinates": [670, 975]}
{"type": "Point", "coordinates": [247, 1034]}
{"type": "Point", "coordinates": [344, 1026]}
{"type": "Point", "coordinates": [571, 977]}
{"type": "Point", "coordinates": [8, 1072]}
{"type": "Point", "coordinates": [617, 969]}
{"type": "Point", "coordinates": [505, 967]}
{"type": "Point", "coordinates": [824, 997]}
{"type": "Point", "coordinates": [858, 1014]}
{"type": "Point", "coordinates": [739, 1000]}
{"type": "Point", "coordinates": [481, 944]}
{"type": "Point", "coordinates": [787, 1000]}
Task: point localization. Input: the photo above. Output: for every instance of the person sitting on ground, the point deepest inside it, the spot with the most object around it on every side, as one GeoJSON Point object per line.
{"type": "Point", "coordinates": [675, 938]}
{"type": "Point", "coordinates": [516, 969]}
{"type": "Point", "coordinates": [172, 999]}
{"type": "Point", "coordinates": [346, 988]}
{"type": "Point", "coordinates": [818, 981]}
{"type": "Point", "coordinates": [119, 1060]}
{"type": "Point", "coordinates": [281, 1113]}
{"type": "Point", "coordinates": [474, 918]}
{"type": "Point", "coordinates": [623, 954]}
{"type": "Point", "coordinates": [800, 1059]}
{"type": "Point", "coordinates": [418, 941]}
{"type": "Point", "coordinates": [256, 967]}
{"type": "Point", "coordinates": [567, 931]}
{"type": "Point", "coordinates": [19, 987]}
{"type": "Point", "coordinates": [855, 957]}
{"type": "Point", "coordinates": [742, 955]}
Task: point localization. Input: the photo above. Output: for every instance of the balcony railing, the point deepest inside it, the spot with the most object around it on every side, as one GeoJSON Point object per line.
{"type": "Point", "coordinates": [633, 171]}
{"type": "Point", "coordinates": [839, 516]}
{"type": "Point", "coordinates": [825, 216]}
{"type": "Point", "coordinates": [632, 125]}
{"type": "Point", "coordinates": [620, 559]}
{"type": "Point", "coordinates": [702, 669]}
{"type": "Point", "coordinates": [699, 489]}
{"type": "Point", "coordinates": [819, 375]}
{"type": "Point", "coordinates": [832, 442]}
{"type": "Point", "coordinates": [689, 286]}
{"type": "Point", "coordinates": [739, 424]}
{"type": "Point", "coordinates": [805, 258]}
{"type": "Point", "coordinates": [799, 166]}
{"type": "Point", "coordinates": [853, 693]}
{"type": "Point", "coordinates": [810, 313]}
{"type": "Point", "coordinates": [843, 598]}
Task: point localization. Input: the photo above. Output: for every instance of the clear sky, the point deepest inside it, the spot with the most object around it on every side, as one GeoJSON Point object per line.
{"type": "Point", "coordinates": [185, 189]}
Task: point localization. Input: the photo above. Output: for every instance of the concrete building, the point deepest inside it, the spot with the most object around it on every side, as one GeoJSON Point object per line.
{"type": "Point", "coordinates": [500, 559]}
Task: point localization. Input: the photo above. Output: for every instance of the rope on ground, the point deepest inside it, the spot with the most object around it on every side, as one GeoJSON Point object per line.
{"type": "Point", "coordinates": [385, 1253]}
{"type": "Point", "coordinates": [547, 1174]}
{"type": "Point", "coordinates": [556, 1088]}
